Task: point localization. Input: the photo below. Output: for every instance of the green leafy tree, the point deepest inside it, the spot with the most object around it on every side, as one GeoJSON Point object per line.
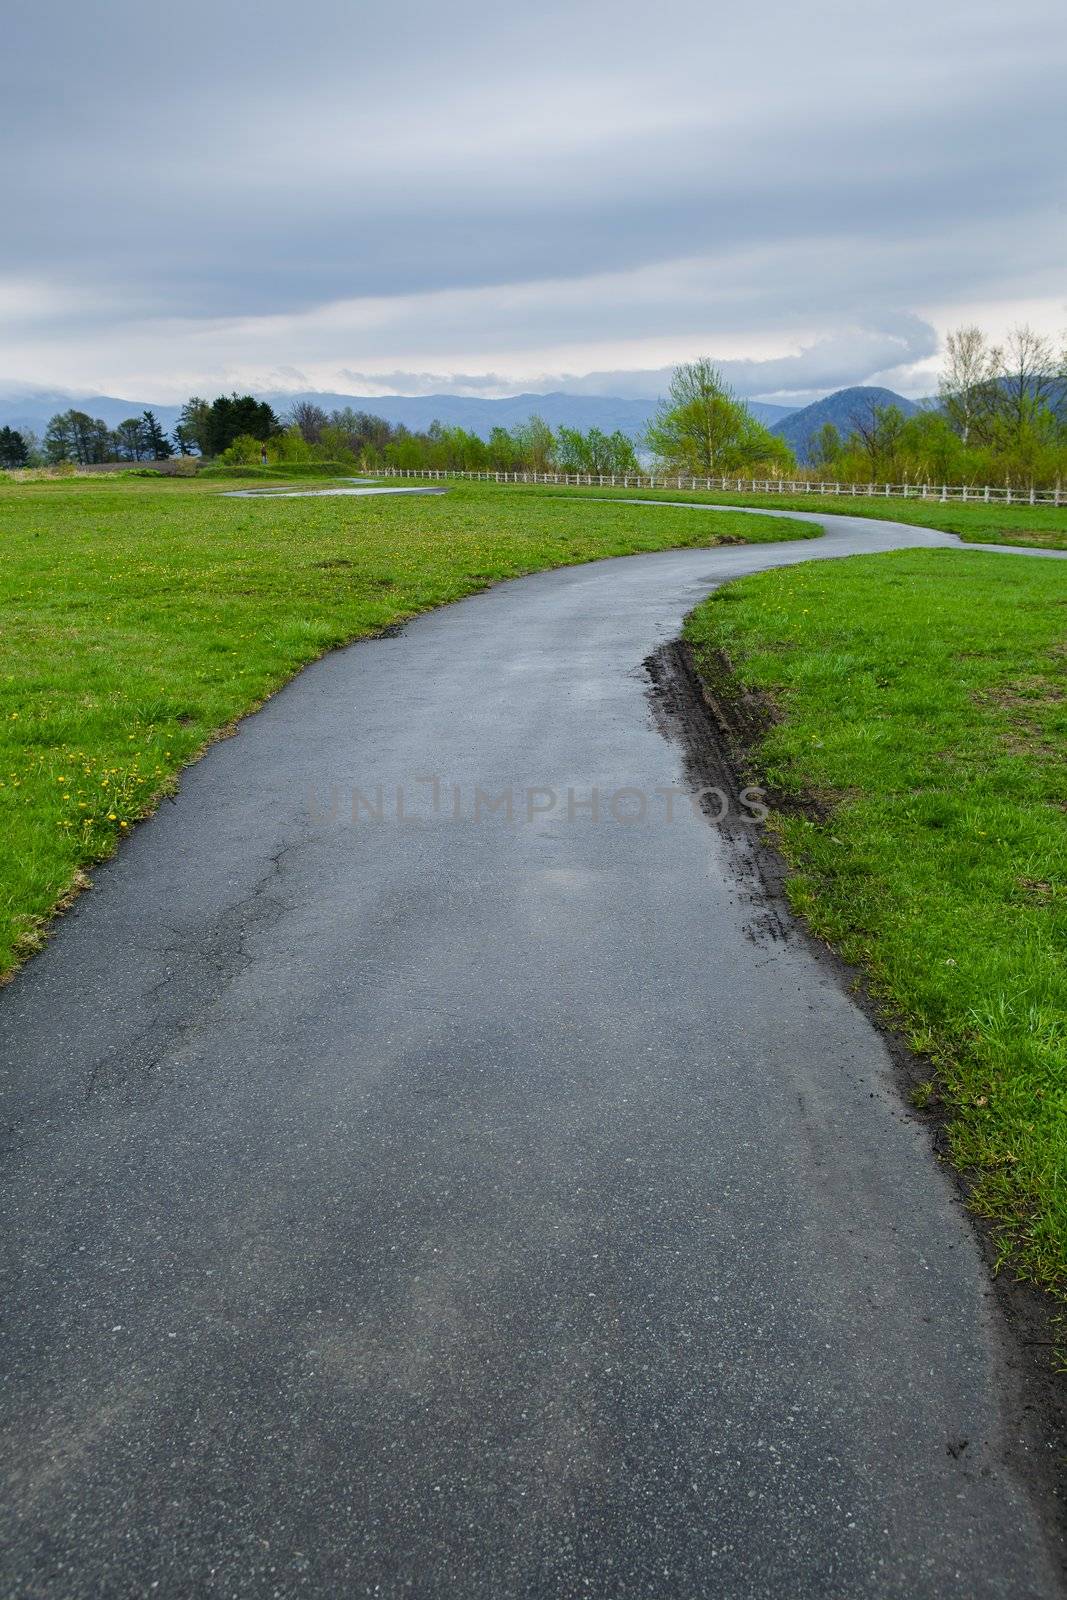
{"type": "Point", "coordinates": [405, 450]}
{"type": "Point", "coordinates": [243, 451]}
{"type": "Point", "coordinates": [703, 429]}
{"type": "Point", "coordinates": [75, 436]}
{"type": "Point", "coordinates": [621, 455]}
{"type": "Point", "coordinates": [594, 452]}
{"type": "Point", "coordinates": [14, 451]}
{"type": "Point", "coordinates": [454, 449]}
{"type": "Point", "coordinates": [824, 447]}
{"type": "Point", "coordinates": [183, 441]}
{"type": "Point", "coordinates": [290, 445]}
{"type": "Point", "coordinates": [129, 437]}
{"type": "Point", "coordinates": [505, 452]}
{"type": "Point", "coordinates": [536, 443]}
{"type": "Point", "coordinates": [59, 438]}
{"type": "Point", "coordinates": [929, 450]}
{"type": "Point", "coordinates": [193, 420]}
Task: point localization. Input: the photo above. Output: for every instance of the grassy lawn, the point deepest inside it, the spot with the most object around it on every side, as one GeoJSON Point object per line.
{"type": "Point", "coordinates": [141, 615]}
{"type": "Point", "coordinates": [1042, 526]}
{"type": "Point", "coordinates": [923, 701]}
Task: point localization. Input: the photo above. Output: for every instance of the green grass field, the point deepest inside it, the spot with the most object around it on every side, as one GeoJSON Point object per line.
{"type": "Point", "coordinates": [141, 615]}
{"type": "Point", "coordinates": [923, 701]}
{"type": "Point", "coordinates": [1041, 526]}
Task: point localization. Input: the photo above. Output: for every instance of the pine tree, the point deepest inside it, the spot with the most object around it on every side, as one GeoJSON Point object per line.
{"type": "Point", "coordinates": [13, 449]}
{"type": "Point", "coordinates": [153, 438]}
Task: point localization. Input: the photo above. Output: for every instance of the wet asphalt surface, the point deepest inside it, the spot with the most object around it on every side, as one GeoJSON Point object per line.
{"type": "Point", "coordinates": [444, 1205]}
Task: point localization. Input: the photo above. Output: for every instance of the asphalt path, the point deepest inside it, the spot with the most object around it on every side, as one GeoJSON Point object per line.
{"type": "Point", "coordinates": [443, 1204]}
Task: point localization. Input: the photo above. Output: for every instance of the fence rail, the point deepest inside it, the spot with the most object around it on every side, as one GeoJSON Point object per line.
{"type": "Point", "coordinates": [967, 493]}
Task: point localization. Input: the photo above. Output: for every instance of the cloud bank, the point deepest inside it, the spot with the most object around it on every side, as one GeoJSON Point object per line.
{"type": "Point", "coordinates": [570, 197]}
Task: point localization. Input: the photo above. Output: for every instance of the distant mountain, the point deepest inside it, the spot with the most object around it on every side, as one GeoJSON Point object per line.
{"type": "Point", "coordinates": [1055, 397]}
{"type": "Point", "coordinates": [841, 408]}
{"type": "Point", "coordinates": [768, 414]}
{"type": "Point", "coordinates": [32, 408]}
{"type": "Point", "coordinates": [481, 416]}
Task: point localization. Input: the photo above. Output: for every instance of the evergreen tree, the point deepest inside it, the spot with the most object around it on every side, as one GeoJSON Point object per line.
{"type": "Point", "coordinates": [13, 449]}
{"type": "Point", "coordinates": [154, 439]}
{"type": "Point", "coordinates": [231, 416]}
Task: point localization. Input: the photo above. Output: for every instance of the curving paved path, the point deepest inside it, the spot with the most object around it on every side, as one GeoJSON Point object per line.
{"type": "Point", "coordinates": [440, 1207]}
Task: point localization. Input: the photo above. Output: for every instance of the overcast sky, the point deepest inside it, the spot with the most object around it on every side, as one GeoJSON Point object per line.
{"type": "Point", "coordinates": [413, 197]}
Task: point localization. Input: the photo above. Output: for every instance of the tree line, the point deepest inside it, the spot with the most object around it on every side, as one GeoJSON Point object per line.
{"type": "Point", "coordinates": [701, 427]}
{"type": "Point", "coordinates": [1000, 416]}
{"type": "Point", "coordinates": [202, 430]}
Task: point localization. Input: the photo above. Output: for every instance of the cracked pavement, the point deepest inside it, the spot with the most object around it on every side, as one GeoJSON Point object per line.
{"type": "Point", "coordinates": [435, 1207]}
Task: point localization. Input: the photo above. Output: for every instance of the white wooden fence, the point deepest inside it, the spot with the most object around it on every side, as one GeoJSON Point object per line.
{"type": "Point", "coordinates": [968, 493]}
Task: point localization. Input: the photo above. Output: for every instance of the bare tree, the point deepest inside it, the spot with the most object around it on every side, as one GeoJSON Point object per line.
{"type": "Point", "coordinates": [309, 418]}
{"type": "Point", "coordinates": [1027, 373]}
{"type": "Point", "coordinates": [876, 431]}
{"type": "Point", "coordinates": [968, 385]}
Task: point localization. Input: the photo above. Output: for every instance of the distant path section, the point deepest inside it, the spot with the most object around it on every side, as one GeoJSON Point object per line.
{"type": "Point", "coordinates": [438, 1166]}
{"type": "Point", "coordinates": [304, 494]}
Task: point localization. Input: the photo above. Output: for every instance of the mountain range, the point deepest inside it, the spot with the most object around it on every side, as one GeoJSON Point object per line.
{"type": "Point", "coordinates": [32, 409]}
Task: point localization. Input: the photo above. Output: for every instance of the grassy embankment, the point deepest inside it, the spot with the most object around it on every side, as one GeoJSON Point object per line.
{"type": "Point", "coordinates": [923, 701]}
{"type": "Point", "coordinates": [1043, 527]}
{"type": "Point", "coordinates": [140, 616]}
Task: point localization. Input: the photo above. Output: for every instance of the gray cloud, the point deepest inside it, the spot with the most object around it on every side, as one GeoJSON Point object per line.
{"type": "Point", "coordinates": [567, 196]}
{"type": "Point", "coordinates": [828, 363]}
